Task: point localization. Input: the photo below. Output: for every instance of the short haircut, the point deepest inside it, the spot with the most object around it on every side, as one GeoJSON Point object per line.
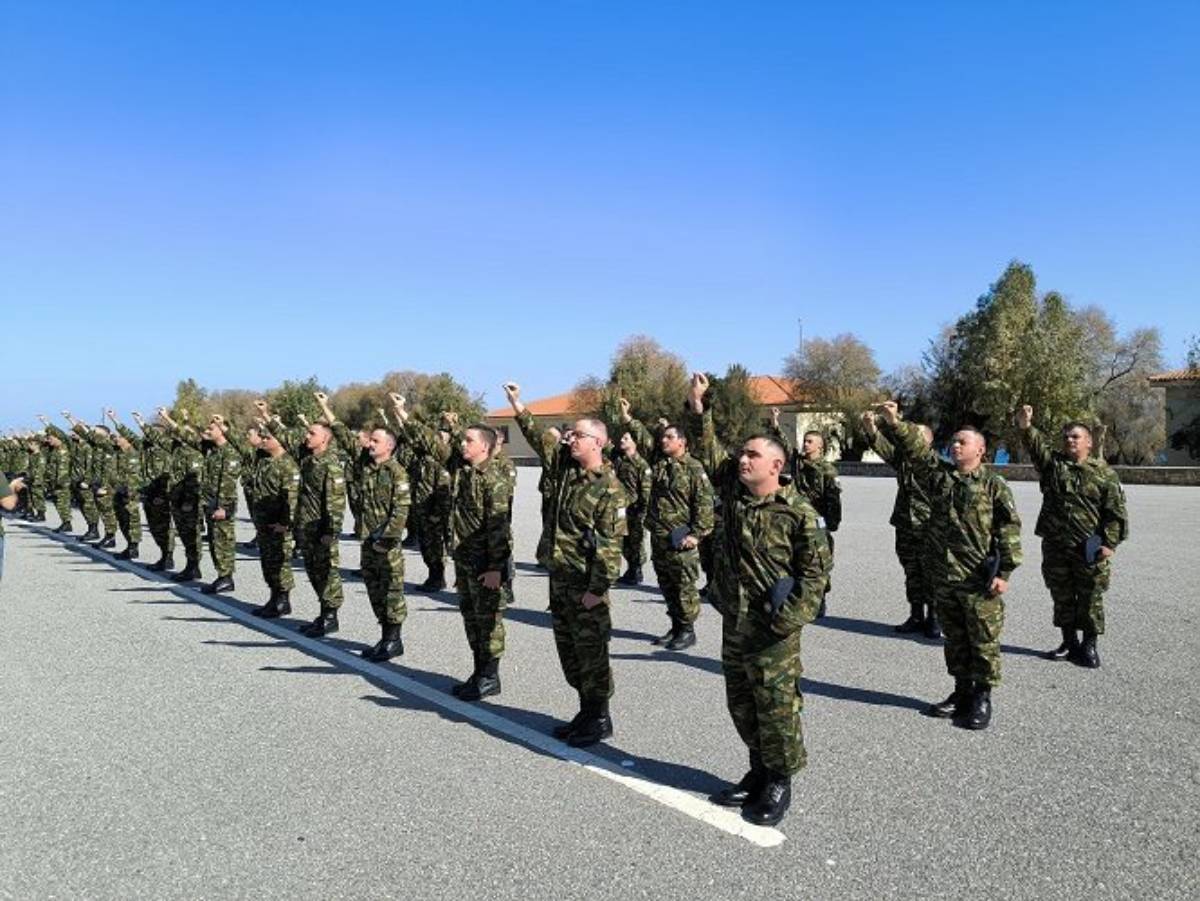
{"type": "Point", "coordinates": [386, 431]}
{"type": "Point", "coordinates": [974, 431]}
{"type": "Point", "coordinates": [820, 435]}
{"type": "Point", "coordinates": [597, 428]}
{"type": "Point", "coordinates": [486, 432]}
{"type": "Point", "coordinates": [770, 440]}
{"type": "Point", "coordinates": [678, 431]}
{"type": "Point", "coordinates": [1076, 424]}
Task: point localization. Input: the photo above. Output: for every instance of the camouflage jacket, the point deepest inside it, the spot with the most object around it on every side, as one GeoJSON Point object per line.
{"type": "Point", "coordinates": [81, 459]}
{"type": "Point", "coordinates": [973, 514]}
{"type": "Point", "coordinates": [276, 492]}
{"type": "Point", "coordinates": [155, 446]}
{"type": "Point", "coordinates": [760, 541]}
{"type": "Point", "coordinates": [912, 507]}
{"type": "Point", "coordinates": [818, 481]}
{"type": "Point", "coordinates": [547, 448]}
{"type": "Point", "coordinates": [680, 494]}
{"type": "Point", "coordinates": [322, 493]}
{"type": "Point", "coordinates": [220, 478]}
{"type": "Point", "coordinates": [36, 466]}
{"type": "Point", "coordinates": [481, 518]}
{"type": "Point", "coordinates": [187, 463]}
{"type": "Point", "coordinates": [128, 472]}
{"type": "Point", "coordinates": [385, 500]}
{"type": "Point", "coordinates": [354, 457]}
{"type": "Point", "coordinates": [102, 458]}
{"type": "Point", "coordinates": [58, 469]}
{"type": "Point", "coordinates": [635, 476]}
{"type": "Point", "coordinates": [1078, 499]}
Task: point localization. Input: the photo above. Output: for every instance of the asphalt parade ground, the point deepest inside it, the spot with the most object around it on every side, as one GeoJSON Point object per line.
{"type": "Point", "coordinates": [159, 743]}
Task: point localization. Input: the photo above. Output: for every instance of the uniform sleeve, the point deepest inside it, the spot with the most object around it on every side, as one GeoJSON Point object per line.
{"type": "Point", "coordinates": [497, 522]}
{"type": "Point", "coordinates": [334, 495]}
{"type": "Point", "coordinates": [810, 563]}
{"type": "Point", "coordinates": [344, 437]}
{"type": "Point", "coordinates": [883, 447]}
{"type": "Point", "coordinates": [709, 452]}
{"type": "Point", "coordinates": [609, 529]}
{"type": "Point", "coordinates": [1114, 519]}
{"type": "Point", "coordinates": [424, 440]}
{"type": "Point", "coordinates": [910, 447]}
{"type": "Point", "coordinates": [541, 440]}
{"type": "Point", "coordinates": [397, 506]}
{"type": "Point", "coordinates": [231, 469]}
{"type": "Point", "coordinates": [702, 503]}
{"type": "Point", "coordinates": [1006, 530]}
{"type": "Point", "coordinates": [832, 498]}
{"type": "Point", "coordinates": [1039, 453]}
{"type": "Point", "coordinates": [291, 491]}
{"type": "Point", "coordinates": [642, 438]}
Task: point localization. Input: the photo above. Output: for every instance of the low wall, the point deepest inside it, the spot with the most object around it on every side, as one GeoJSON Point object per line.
{"type": "Point", "coordinates": [1017, 472]}
{"type": "Point", "coordinates": [1024, 472]}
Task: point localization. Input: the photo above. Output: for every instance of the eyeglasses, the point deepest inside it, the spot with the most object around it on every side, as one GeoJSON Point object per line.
{"type": "Point", "coordinates": [574, 436]}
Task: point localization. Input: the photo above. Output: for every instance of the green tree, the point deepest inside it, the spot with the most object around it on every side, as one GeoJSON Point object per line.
{"type": "Point", "coordinates": [1193, 352]}
{"type": "Point", "coordinates": [839, 376]}
{"type": "Point", "coordinates": [191, 402]}
{"type": "Point", "coordinates": [427, 397]}
{"type": "Point", "coordinates": [293, 397]}
{"type": "Point", "coordinates": [735, 412]}
{"type": "Point", "coordinates": [652, 379]}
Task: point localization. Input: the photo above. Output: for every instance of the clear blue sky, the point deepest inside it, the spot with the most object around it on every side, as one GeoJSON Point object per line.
{"type": "Point", "coordinates": [246, 192]}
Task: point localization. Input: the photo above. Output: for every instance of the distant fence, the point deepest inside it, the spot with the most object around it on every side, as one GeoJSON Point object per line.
{"type": "Point", "coordinates": [1017, 472]}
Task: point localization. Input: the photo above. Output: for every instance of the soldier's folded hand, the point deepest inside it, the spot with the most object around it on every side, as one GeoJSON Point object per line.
{"type": "Point", "coordinates": [328, 540]}
{"type": "Point", "coordinates": [17, 485]}
{"type": "Point", "coordinates": [321, 396]}
{"type": "Point", "coordinates": [219, 514]}
{"type": "Point", "coordinates": [998, 587]}
{"type": "Point", "coordinates": [278, 529]}
{"type": "Point", "coordinates": [626, 408]}
{"type": "Point", "coordinates": [512, 391]}
{"type": "Point", "coordinates": [590, 600]}
{"type": "Point", "coordinates": [490, 579]}
{"type": "Point", "coordinates": [890, 411]}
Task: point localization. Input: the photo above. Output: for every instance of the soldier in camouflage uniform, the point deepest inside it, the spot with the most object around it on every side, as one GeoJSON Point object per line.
{"type": "Point", "coordinates": [635, 476]}
{"type": "Point", "coordinates": [583, 554]}
{"type": "Point", "coordinates": [910, 518]}
{"type": "Point", "coordinates": [679, 514]}
{"type": "Point", "coordinates": [975, 544]}
{"type": "Point", "coordinates": [385, 502]}
{"type": "Point", "coordinates": [320, 508]}
{"type": "Point", "coordinates": [219, 491]}
{"type": "Point", "coordinates": [155, 446]}
{"type": "Point", "coordinates": [187, 466]}
{"type": "Point", "coordinates": [36, 484]}
{"type": "Point", "coordinates": [771, 563]}
{"type": "Point", "coordinates": [276, 491]}
{"type": "Point", "coordinates": [127, 490]}
{"type": "Point", "coordinates": [82, 467]}
{"type": "Point", "coordinates": [1082, 501]}
{"type": "Point", "coordinates": [99, 481]}
{"type": "Point", "coordinates": [58, 474]}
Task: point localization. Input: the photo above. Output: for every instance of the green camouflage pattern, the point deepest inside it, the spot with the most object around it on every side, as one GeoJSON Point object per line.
{"type": "Point", "coordinates": [320, 507]}
{"type": "Point", "coordinates": [276, 492]}
{"type": "Point", "coordinates": [635, 476]}
{"type": "Point", "coordinates": [385, 502]}
{"type": "Point", "coordinates": [1076, 587]}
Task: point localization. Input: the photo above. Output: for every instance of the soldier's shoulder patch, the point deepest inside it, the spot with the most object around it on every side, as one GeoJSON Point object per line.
{"type": "Point", "coordinates": [620, 512]}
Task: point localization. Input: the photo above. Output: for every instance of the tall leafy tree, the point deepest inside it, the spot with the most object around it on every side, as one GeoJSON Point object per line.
{"type": "Point", "coordinates": [839, 375]}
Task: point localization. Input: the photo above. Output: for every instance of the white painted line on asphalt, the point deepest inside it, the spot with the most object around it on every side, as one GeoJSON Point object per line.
{"type": "Point", "coordinates": [722, 818]}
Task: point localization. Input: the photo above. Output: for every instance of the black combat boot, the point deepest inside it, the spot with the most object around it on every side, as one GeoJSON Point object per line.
{"type": "Point", "coordinates": [130, 553]}
{"type": "Point", "coordinates": [1088, 655]}
{"type": "Point", "coordinates": [468, 684]}
{"type": "Point", "coordinates": [915, 621]}
{"type": "Point", "coordinates": [747, 788]}
{"type": "Point", "coordinates": [685, 637]}
{"type": "Point", "coordinates": [388, 646]}
{"type": "Point", "coordinates": [219, 584]}
{"type": "Point", "coordinates": [40, 517]}
{"type": "Point", "coordinates": [562, 730]}
{"type": "Point", "coordinates": [933, 629]}
{"type": "Point", "coordinates": [772, 802]}
{"type": "Point", "coordinates": [279, 605]}
{"type": "Point", "coordinates": [821, 610]}
{"type": "Point", "coordinates": [92, 534]}
{"type": "Point", "coordinates": [64, 529]}
{"type": "Point", "coordinates": [189, 573]}
{"type": "Point", "coordinates": [633, 576]}
{"type": "Point", "coordinates": [667, 637]}
{"type": "Point", "coordinates": [436, 580]}
{"type": "Point", "coordinates": [109, 541]}
{"type": "Point", "coordinates": [953, 706]}
{"type": "Point", "coordinates": [980, 713]}
{"type": "Point", "coordinates": [326, 623]}
{"type": "Point", "coordinates": [1068, 650]}
{"type": "Point", "coordinates": [595, 726]}
{"type": "Point", "coordinates": [165, 563]}
{"type": "Point", "coordinates": [485, 684]}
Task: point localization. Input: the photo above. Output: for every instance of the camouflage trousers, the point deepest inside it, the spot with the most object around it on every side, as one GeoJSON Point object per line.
{"type": "Point", "coordinates": [581, 638]}
{"type": "Point", "coordinates": [633, 545]}
{"type": "Point", "coordinates": [427, 521]}
{"type": "Point", "coordinates": [158, 519]}
{"type": "Point", "coordinates": [482, 612]}
{"type": "Point", "coordinates": [222, 541]}
{"type": "Point", "coordinates": [1076, 588]}
{"type": "Point", "coordinates": [62, 504]}
{"type": "Point", "coordinates": [545, 549]}
{"type": "Point", "coordinates": [354, 499]}
{"type": "Point", "coordinates": [971, 623]}
{"type": "Point", "coordinates": [322, 565]}
{"type": "Point", "coordinates": [37, 497]}
{"type": "Point", "coordinates": [383, 571]}
{"type": "Point", "coordinates": [86, 501]}
{"type": "Point", "coordinates": [129, 517]}
{"type": "Point", "coordinates": [762, 690]}
{"type": "Point", "coordinates": [677, 573]}
{"type": "Point", "coordinates": [107, 506]}
{"type": "Point", "coordinates": [910, 549]}
{"type": "Point", "coordinates": [275, 558]}
{"type": "Point", "coordinates": [186, 515]}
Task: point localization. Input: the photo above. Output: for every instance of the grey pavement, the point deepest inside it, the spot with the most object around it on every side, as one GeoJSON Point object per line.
{"type": "Point", "coordinates": [157, 745]}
